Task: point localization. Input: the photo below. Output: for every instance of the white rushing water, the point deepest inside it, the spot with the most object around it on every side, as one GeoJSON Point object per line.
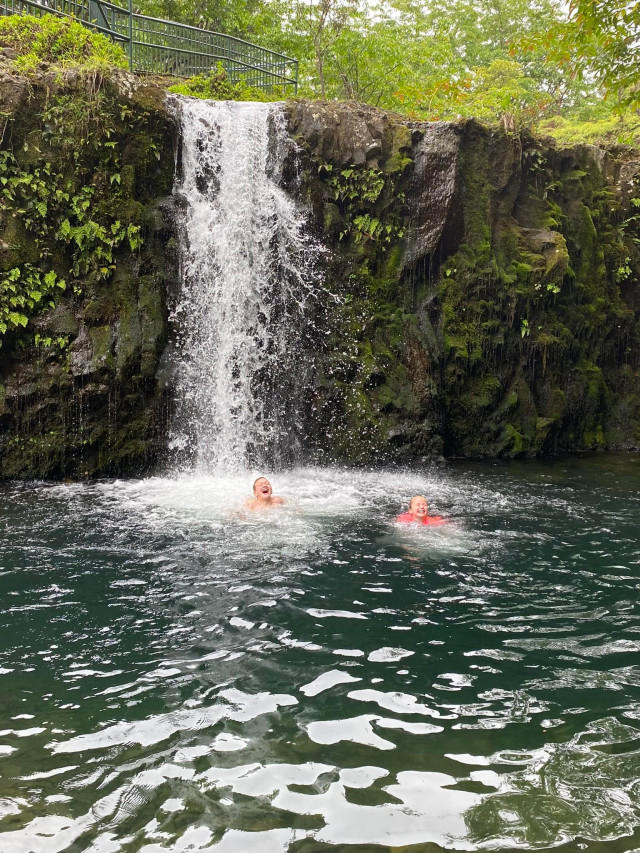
{"type": "Point", "coordinates": [248, 275]}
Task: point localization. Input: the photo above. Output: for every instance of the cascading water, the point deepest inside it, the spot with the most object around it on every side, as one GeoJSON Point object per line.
{"type": "Point", "coordinates": [247, 270]}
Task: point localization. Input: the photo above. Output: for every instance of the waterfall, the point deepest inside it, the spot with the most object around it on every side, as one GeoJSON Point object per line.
{"type": "Point", "coordinates": [247, 278]}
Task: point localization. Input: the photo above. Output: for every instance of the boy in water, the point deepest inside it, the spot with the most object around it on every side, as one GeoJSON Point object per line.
{"type": "Point", "coordinates": [419, 513]}
{"type": "Point", "coordinates": [263, 497]}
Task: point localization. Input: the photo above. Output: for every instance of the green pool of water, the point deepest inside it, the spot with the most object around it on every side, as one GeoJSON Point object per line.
{"type": "Point", "coordinates": [174, 677]}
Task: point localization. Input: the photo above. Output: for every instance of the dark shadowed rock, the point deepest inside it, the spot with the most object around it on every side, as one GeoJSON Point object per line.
{"type": "Point", "coordinates": [341, 133]}
{"type": "Point", "coordinates": [434, 202]}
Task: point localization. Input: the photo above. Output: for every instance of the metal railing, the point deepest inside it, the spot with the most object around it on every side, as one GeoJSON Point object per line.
{"type": "Point", "coordinates": [166, 47]}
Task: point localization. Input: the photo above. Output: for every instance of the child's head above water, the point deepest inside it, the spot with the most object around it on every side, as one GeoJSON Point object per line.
{"type": "Point", "coordinates": [418, 506]}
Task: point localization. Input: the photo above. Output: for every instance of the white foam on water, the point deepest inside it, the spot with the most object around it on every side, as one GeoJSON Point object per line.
{"type": "Point", "coordinates": [388, 654]}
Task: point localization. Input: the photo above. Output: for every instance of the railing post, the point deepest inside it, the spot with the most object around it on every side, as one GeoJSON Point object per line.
{"type": "Point", "coordinates": [130, 35]}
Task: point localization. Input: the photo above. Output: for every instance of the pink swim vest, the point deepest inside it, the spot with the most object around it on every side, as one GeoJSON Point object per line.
{"type": "Point", "coordinates": [407, 518]}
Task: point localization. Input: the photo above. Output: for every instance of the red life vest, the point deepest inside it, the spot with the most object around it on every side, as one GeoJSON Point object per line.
{"type": "Point", "coordinates": [407, 518]}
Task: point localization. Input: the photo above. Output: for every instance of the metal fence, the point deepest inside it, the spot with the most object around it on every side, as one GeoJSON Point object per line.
{"type": "Point", "coordinates": [166, 47]}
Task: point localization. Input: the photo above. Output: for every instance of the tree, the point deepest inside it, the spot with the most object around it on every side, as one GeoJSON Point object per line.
{"type": "Point", "coordinates": [326, 20]}
{"type": "Point", "coordinates": [228, 16]}
{"type": "Point", "coordinates": [381, 64]}
{"type": "Point", "coordinates": [605, 36]}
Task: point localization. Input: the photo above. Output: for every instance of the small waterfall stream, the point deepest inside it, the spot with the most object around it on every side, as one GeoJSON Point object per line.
{"type": "Point", "coordinates": [247, 270]}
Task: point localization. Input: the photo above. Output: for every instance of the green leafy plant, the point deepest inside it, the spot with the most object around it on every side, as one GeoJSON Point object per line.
{"type": "Point", "coordinates": [24, 290]}
{"type": "Point", "coordinates": [630, 227]}
{"type": "Point", "coordinates": [52, 41]}
{"type": "Point", "coordinates": [352, 184]}
{"type": "Point", "coordinates": [624, 270]}
{"type": "Point", "coordinates": [371, 228]}
{"type": "Point", "coordinates": [216, 86]}
{"type": "Point", "coordinates": [60, 342]}
{"type": "Point", "coordinates": [359, 193]}
{"type": "Point", "coordinates": [73, 204]}
{"type": "Point", "coordinates": [621, 129]}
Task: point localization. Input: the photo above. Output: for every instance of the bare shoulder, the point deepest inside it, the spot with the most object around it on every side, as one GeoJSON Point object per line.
{"type": "Point", "coordinates": [277, 500]}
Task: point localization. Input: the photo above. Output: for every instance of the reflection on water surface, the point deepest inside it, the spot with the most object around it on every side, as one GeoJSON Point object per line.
{"type": "Point", "coordinates": [175, 678]}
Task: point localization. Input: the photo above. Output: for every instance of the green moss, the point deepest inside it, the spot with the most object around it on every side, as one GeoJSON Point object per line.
{"type": "Point", "coordinates": [399, 158]}
{"type": "Point", "coordinates": [614, 130]}
{"type": "Point", "coordinates": [512, 441]}
{"type": "Point", "coordinates": [58, 43]}
{"type": "Point", "coordinates": [101, 345]}
{"type": "Point", "coordinates": [593, 439]}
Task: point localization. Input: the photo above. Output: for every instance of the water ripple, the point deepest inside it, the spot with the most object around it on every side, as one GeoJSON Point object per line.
{"type": "Point", "coordinates": [177, 680]}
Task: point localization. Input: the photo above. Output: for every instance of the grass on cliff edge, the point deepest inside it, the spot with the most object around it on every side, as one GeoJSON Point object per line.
{"type": "Point", "coordinates": [621, 129]}
{"type": "Point", "coordinates": [50, 42]}
{"type": "Point", "coordinates": [215, 86]}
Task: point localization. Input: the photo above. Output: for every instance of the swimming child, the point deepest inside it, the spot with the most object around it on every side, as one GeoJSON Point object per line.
{"type": "Point", "coordinates": [263, 497]}
{"type": "Point", "coordinates": [419, 513]}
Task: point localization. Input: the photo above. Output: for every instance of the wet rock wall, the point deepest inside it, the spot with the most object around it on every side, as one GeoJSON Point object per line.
{"type": "Point", "coordinates": [481, 287]}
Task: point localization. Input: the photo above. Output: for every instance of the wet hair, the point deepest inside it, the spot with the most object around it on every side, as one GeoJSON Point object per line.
{"type": "Point", "coordinates": [418, 496]}
{"type": "Point", "coordinates": [255, 481]}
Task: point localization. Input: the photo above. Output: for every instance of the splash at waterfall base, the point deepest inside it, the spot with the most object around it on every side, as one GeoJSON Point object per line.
{"type": "Point", "coordinates": [481, 289]}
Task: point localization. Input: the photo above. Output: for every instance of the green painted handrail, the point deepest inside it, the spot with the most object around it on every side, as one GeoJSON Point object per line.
{"type": "Point", "coordinates": [166, 47]}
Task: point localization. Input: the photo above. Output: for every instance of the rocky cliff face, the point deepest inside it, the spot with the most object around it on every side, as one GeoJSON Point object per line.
{"type": "Point", "coordinates": [482, 287]}
{"type": "Point", "coordinates": [489, 285]}
{"type": "Point", "coordinates": [87, 165]}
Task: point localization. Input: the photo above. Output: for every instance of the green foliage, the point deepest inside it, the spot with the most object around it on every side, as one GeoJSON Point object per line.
{"type": "Point", "coordinates": [369, 227]}
{"type": "Point", "coordinates": [597, 46]}
{"type": "Point", "coordinates": [623, 129]}
{"type": "Point", "coordinates": [624, 270]}
{"type": "Point", "coordinates": [51, 41]}
{"type": "Point", "coordinates": [434, 63]}
{"type": "Point", "coordinates": [351, 184]}
{"type": "Point", "coordinates": [606, 39]}
{"type": "Point", "coordinates": [530, 60]}
{"type": "Point", "coordinates": [215, 86]}
{"type": "Point", "coordinates": [66, 191]}
{"type": "Point", "coordinates": [235, 17]}
{"type": "Point", "coordinates": [360, 194]}
{"type": "Point", "coordinates": [93, 244]}
{"type": "Point", "coordinates": [488, 93]}
{"type": "Point", "coordinates": [378, 64]}
{"type": "Point", "coordinates": [61, 342]}
{"type": "Point", "coordinates": [23, 291]}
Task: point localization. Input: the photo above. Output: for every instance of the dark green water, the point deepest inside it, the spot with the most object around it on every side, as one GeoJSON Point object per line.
{"type": "Point", "coordinates": [319, 680]}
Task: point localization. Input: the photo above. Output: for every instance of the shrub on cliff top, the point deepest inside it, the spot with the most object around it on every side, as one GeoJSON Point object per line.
{"type": "Point", "coordinates": [621, 129]}
{"type": "Point", "coordinates": [215, 86]}
{"type": "Point", "coordinates": [55, 42]}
